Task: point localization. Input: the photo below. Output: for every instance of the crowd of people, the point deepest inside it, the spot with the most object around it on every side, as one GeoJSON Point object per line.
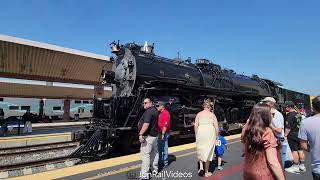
{"type": "Point", "coordinates": [271, 139]}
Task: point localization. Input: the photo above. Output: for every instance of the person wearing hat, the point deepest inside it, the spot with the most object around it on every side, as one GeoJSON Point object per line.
{"type": "Point", "coordinates": [293, 121]}
{"type": "Point", "coordinates": [277, 125]}
{"type": "Point", "coordinates": [163, 127]}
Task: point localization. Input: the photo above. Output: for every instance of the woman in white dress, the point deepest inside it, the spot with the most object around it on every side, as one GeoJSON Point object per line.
{"type": "Point", "coordinates": [206, 130]}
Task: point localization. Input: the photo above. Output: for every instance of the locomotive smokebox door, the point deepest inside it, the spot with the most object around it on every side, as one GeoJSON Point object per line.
{"type": "Point", "coordinates": [125, 74]}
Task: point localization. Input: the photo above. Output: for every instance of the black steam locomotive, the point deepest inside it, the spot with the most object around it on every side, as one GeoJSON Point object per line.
{"type": "Point", "coordinates": [138, 73]}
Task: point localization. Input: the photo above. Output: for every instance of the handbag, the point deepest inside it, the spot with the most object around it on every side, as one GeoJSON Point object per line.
{"type": "Point", "coordinates": [289, 156]}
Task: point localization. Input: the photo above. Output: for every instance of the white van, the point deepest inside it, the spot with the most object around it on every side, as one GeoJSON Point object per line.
{"type": "Point", "coordinates": [82, 111]}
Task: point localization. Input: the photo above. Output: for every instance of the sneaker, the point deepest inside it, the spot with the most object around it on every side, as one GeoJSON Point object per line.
{"type": "Point", "coordinates": [201, 172]}
{"type": "Point", "coordinates": [302, 168]}
{"type": "Point", "coordinates": [220, 168]}
{"type": "Point", "coordinates": [208, 174]}
{"type": "Point", "coordinates": [293, 169]}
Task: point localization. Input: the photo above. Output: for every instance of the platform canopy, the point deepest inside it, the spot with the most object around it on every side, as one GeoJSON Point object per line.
{"type": "Point", "coordinates": [25, 59]}
{"type": "Point", "coordinates": [49, 92]}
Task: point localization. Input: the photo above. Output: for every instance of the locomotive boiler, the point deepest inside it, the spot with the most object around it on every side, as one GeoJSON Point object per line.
{"type": "Point", "coordinates": [138, 73]}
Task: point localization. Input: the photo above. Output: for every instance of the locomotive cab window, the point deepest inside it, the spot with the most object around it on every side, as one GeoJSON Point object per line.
{"type": "Point", "coordinates": [25, 107]}
{"type": "Point", "coordinates": [56, 108]}
{"type": "Point", "coordinates": [13, 107]}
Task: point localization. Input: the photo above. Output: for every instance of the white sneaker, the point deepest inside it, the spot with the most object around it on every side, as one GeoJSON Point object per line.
{"type": "Point", "coordinates": [302, 168]}
{"type": "Point", "coordinates": [293, 169]}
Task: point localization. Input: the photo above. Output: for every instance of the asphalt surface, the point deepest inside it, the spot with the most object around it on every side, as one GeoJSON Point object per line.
{"type": "Point", "coordinates": [183, 165]}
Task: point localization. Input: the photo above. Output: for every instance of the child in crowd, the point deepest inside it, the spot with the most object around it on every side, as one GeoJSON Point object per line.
{"type": "Point", "coordinates": [219, 149]}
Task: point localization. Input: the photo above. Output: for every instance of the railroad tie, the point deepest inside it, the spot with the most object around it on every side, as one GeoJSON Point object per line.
{"type": "Point", "coordinates": [4, 174]}
{"type": "Point", "coordinates": [27, 171]}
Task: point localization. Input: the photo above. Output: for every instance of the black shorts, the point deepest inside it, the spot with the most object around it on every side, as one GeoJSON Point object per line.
{"type": "Point", "coordinates": [316, 176]}
{"type": "Point", "coordinates": [294, 144]}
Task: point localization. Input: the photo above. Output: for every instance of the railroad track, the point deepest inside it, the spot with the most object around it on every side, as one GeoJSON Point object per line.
{"type": "Point", "coordinates": [27, 157]}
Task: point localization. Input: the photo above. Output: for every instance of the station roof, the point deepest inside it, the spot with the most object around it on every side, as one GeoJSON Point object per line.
{"type": "Point", "coordinates": [26, 59]}
{"type": "Point", "coordinates": [49, 92]}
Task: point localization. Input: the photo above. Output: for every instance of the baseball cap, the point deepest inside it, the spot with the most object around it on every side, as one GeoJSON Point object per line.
{"type": "Point", "coordinates": [160, 103]}
{"type": "Point", "coordinates": [269, 99]}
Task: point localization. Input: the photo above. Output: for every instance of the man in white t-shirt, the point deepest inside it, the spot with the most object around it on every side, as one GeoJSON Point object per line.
{"type": "Point", "coordinates": [277, 125]}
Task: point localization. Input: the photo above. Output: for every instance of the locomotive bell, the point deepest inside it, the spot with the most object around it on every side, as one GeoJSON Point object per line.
{"type": "Point", "coordinates": [114, 48]}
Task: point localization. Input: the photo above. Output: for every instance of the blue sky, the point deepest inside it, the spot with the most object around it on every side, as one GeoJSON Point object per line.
{"type": "Point", "coordinates": [276, 39]}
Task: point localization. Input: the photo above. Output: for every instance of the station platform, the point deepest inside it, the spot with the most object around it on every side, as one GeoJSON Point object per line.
{"type": "Point", "coordinates": [44, 133]}
{"type": "Point", "coordinates": [52, 125]}
{"type": "Point", "coordinates": [183, 165]}
{"type": "Point", "coordinates": [49, 128]}
{"type": "Point", "coordinates": [33, 140]}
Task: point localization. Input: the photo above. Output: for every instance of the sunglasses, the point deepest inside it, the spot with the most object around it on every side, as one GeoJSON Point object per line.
{"type": "Point", "coordinates": [146, 102]}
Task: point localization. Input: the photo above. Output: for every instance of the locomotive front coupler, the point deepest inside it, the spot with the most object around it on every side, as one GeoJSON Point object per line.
{"type": "Point", "coordinates": [109, 133]}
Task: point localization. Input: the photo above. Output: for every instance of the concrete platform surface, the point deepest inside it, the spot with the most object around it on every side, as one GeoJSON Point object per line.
{"type": "Point", "coordinates": [31, 140]}
{"type": "Point", "coordinates": [46, 130]}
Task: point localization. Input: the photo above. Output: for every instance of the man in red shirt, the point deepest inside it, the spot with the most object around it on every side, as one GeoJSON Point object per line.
{"type": "Point", "coordinates": [164, 127]}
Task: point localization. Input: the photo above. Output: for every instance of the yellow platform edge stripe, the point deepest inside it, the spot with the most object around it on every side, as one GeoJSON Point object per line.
{"type": "Point", "coordinates": [35, 137]}
{"type": "Point", "coordinates": [82, 168]}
